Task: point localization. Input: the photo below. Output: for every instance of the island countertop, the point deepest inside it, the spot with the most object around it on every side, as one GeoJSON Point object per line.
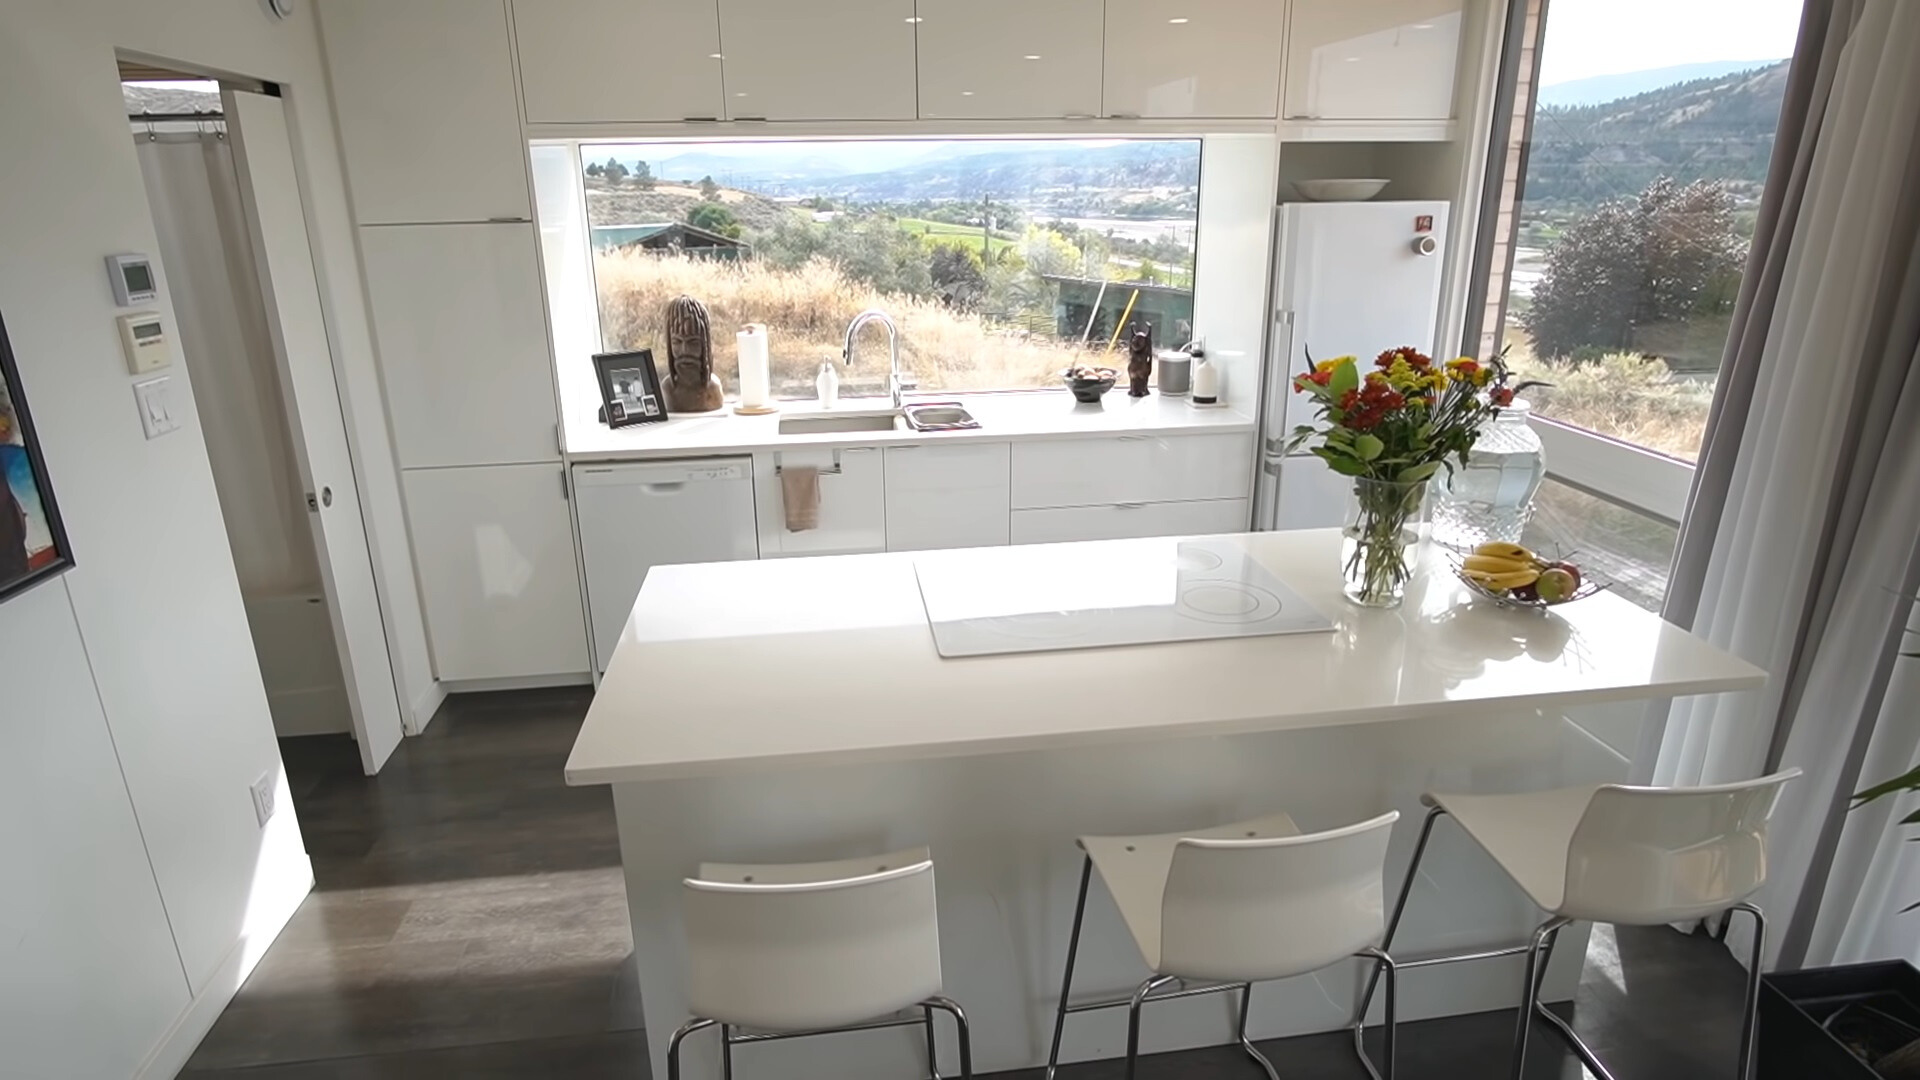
{"type": "Point", "coordinates": [729, 668]}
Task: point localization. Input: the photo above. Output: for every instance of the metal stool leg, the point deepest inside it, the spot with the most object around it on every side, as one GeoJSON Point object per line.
{"type": "Point", "coordinates": [1246, 999]}
{"type": "Point", "coordinates": [1399, 909]}
{"type": "Point", "coordinates": [1381, 963]}
{"type": "Point", "coordinates": [726, 1051]}
{"type": "Point", "coordinates": [1133, 1019]}
{"type": "Point", "coordinates": [1749, 1026]}
{"type": "Point", "coordinates": [933, 1055]}
{"type": "Point", "coordinates": [1066, 981]}
{"type": "Point", "coordinates": [952, 1008]}
{"type": "Point", "coordinates": [1530, 996]}
{"type": "Point", "coordinates": [673, 1044]}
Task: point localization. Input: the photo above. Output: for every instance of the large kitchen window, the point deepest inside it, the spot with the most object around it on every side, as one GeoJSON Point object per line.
{"type": "Point", "coordinates": [1002, 261]}
{"type": "Point", "coordinates": [1626, 175]}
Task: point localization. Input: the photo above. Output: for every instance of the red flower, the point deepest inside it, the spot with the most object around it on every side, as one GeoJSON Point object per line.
{"type": "Point", "coordinates": [1419, 360]}
{"type": "Point", "coordinates": [1349, 400]}
{"type": "Point", "coordinates": [1502, 397]}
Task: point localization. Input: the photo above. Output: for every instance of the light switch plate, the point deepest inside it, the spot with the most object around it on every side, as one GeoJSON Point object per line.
{"type": "Point", "coordinates": [263, 790]}
{"type": "Point", "coordinates": [155, 400]}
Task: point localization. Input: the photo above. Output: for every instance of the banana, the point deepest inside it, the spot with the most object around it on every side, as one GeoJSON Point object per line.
{"type": "Point", "coordinates": [1491, 564]}
{"type": "Point", "coordinates": [1500, 549]}
{"type": "Point", "coordinates": [1514, 579]}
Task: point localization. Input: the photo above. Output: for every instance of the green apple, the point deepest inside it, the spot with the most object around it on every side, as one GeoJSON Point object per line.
{"type": "Point", "coordinates": [1556, 585]}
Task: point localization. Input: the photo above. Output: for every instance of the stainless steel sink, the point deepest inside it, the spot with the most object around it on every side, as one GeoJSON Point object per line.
{"type": "Point", "coordinates": [835, 425]}
{"type": "Point", "coordinates": [941, 417]}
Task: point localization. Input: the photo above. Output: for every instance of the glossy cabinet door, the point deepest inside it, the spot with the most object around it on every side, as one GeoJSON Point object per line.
{"type": "Point", "coordinates": [1381, 60]}
{"type": "Point", "coordinates": [947, 495]}
{"type": "Point", "coordinates": [1131, 469]}
{"type": "Point", "coordinates": [818, 59]}
{"type": "Point", "coordinates": [1128, 521]}
{"type": "Point", "coordinates": [1207, 58]}
{"type": "Point", "coordinates": [498, 576]}
{"type": "Point", "coordinates": [423, 92]}
{"type": "Point", "coordinates": [853, 502]}
{"type": "Point", "coordinates": [463, 343]}
{"type": "Point", "coordinates": [607, 60]}
{"type": "Point", "coordinates": [1011, 59]}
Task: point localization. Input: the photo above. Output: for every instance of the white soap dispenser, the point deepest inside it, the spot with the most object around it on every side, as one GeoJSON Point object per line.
{"type": "Point", "coordinates": [1206, 381]}
{"type": "Point", "coordinates": [826, 385]}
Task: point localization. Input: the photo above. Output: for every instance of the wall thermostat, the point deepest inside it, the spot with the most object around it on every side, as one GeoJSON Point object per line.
{"type": "Point", "coordinates": [132, 278]}
{"type": "Point", "coordinates": [144, 338]}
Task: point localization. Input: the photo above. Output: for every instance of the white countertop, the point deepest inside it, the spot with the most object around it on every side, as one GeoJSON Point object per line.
{"type": "Point", "coordinates": [737, 667]}
{"type": "Point", "coordinates": [1004, 417]}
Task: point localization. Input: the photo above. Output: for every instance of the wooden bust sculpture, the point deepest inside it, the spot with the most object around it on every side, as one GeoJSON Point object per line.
{"type": "Point", "coordinates": [691, 384]}
{"type": "Point", "coordinates": [1139, 359]}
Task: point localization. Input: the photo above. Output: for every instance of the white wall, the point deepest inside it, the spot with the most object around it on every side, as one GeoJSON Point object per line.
{"type": "Point", "coordinates": [1238, 175]}
{"type": "Point", "coordinates": [165, 724]}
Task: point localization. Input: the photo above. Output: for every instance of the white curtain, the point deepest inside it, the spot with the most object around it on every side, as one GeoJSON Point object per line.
{"type": "Point", "coordinates": [224, 339]}
{"type": "Point", "coordinates": [1805, 519]}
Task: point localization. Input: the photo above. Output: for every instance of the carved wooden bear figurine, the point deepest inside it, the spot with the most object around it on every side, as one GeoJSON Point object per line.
{"type": "Point", "coordinates": [1139, 359]}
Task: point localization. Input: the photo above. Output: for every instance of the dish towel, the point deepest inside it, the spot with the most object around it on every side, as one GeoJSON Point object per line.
{"type": "Point", "coordinates": [800, 490]}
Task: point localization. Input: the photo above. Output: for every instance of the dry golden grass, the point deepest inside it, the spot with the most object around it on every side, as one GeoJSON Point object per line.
{"type": "Point", "coordinates": [806, 311]}
{"type": "Point", "coordinates": [1628, 396]}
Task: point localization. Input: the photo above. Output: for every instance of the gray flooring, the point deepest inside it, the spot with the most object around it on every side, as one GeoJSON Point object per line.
{"type": "Point", "coordinates": [468, 920]}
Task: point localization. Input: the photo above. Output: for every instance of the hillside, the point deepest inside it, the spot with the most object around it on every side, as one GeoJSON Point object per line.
{"type": "Point", "coordinates": [1600, 89]}
{"type": "Point", "coordinates": [627, 204]}
{"type": "Point", "coordinates": [1713, 128]}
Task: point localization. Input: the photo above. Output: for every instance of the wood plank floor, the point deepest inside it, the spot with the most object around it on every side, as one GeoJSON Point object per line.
{"type": "Point", "coordinates": [469, 920]}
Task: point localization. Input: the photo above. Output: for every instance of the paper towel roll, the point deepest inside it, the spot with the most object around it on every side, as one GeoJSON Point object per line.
{"type": "Point", "coordinates": [755, 376]}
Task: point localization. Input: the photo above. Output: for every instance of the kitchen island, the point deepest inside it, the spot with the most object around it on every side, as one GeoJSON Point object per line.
{"type": "Point", "coordinates": [798, 710]}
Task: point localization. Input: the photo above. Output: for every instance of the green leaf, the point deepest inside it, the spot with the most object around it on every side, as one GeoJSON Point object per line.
{"type": "Point", "coordinates": [1345, 377]}
{"type": "Point", "coordinates": [1345, 466]}
{"type": "Point", "coordinates": [1418, 472]}
{"type": "Point", "coordinates": [1368, 447]}
{"type": "Point", "coordinates": [1906, 781]}
{"type": "Point", "coordinates": [1341, 435]}
{"type": "Point", "coordinates": [1911, 819]}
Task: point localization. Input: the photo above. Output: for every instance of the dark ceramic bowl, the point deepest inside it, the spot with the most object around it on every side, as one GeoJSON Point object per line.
{"type": "Point", "coordinates": [1089, 392]}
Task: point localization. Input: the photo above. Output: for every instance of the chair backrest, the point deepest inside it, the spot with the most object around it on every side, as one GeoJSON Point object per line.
{"type": "Point", "coordinates": [1657, 855]}
{"type": "Point", "coordinates": [799, 955]}
{"type": "Point", "coordinates": [1274, 907]}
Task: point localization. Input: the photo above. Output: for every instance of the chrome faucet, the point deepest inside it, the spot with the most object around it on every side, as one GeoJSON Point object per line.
{"type": "Point", "coordinates": [894, 382]}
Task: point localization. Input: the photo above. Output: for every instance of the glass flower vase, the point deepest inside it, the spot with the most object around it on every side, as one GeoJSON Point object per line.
{"type": "Point", "coordinates": [1381, 542]}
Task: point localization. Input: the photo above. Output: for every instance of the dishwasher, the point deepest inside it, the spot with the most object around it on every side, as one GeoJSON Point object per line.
{"type": "Point", "coordinates": [634, 517]}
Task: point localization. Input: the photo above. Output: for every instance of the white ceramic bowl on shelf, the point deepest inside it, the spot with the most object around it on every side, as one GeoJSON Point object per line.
{"type": "Point", "coordinates": [1352, 190]}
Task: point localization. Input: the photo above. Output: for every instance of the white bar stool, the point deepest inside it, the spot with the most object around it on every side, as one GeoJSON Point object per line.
{"type": "Point", "coordinates": [1223, 908]}
{"type": "Point", "coordinates": [1632, 856]}
{"type": "Point", "coordinates": [814, 948]}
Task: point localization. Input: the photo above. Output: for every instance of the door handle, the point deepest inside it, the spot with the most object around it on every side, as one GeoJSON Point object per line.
{"type": "Point", "coordinates": [325, 498]}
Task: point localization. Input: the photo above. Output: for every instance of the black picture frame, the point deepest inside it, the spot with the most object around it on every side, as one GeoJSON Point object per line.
{"type": "Point", "coordinates": [33, 540]}
{"type": "Point", "coordinates": [629, 388]}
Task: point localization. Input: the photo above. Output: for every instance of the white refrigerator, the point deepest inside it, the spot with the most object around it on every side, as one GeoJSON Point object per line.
{"type": "Point", "coordinates": [1349, 278]}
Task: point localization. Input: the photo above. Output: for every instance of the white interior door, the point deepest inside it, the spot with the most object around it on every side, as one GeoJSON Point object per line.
{"type": "Point", "coordinates": [276, 221]}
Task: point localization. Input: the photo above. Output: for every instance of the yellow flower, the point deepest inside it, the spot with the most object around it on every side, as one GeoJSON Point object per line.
{"type": "Point", "coordinates": [1402, 376]}
{"type": "Point", "coordinates": [1329, 365]}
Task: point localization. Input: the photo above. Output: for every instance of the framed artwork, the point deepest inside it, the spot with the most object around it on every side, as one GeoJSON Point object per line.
{"type": "Point", "coordinates": [33, 545]}
{"type": "Point", "coordinates": [629, 388]}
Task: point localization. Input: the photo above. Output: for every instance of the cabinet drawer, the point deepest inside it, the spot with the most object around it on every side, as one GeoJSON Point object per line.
{"type": "Point", "coordinates": [947, 495]}
{"type": "Point", "coordinates": [1129, 520]}
{"type": "Point", "coordinates": [1131, 468]}
{"type": "Point", "coordinates": [853, 502]}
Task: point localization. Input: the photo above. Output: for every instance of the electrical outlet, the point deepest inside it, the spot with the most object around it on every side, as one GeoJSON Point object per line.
{"type": "Point", "coordinates": [263, 790]}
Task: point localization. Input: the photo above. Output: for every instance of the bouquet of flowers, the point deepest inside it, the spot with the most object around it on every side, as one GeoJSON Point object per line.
{"type": "Point", "coordinates": [1392, 428]}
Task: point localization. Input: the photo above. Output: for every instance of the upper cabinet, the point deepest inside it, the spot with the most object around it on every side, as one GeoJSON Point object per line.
{"type": "Point", "coordinates": [583, 61]}
{"type": "Point", "coordinates": [816, 59]}
{"type": "Point", "coordinates": [1203, 58]}
{"type": "Point", "coordinates": [1010, 58]}
{"type": "Point", "coordinates": [426, 141]}
{"type": "Point", "coordinates": [1381, 60]}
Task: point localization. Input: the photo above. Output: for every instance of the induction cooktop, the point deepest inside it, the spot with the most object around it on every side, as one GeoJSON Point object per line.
{"type": "Point", "coordinates": [985, 601]}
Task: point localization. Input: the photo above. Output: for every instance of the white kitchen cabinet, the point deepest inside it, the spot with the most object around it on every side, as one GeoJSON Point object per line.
{"type": "Point", "coordinates": [494, 549]}
{"type": "Point", "coordinates": [853, 501]}
{"type": "Point", "coordinates": [1207, 58]}
{"type": "Point", "coordinates": [583, 61]}
{"type": "Point", "coordinates": [818, 59]}
{"type": "Point", "coordinates": [947, 495]}
{"type": "Point", "coordinates": [1381, 60]}
{"type": "Point", "coordinates": [1131, 469]}
{"type": "Point", "coordinates": [1125, 521]}
{"type": "Point", "coordinates": [1009, 59]}
{"type": "Point", "coordinates": [423, 92]}
{"type": "Point", "coordinates": [463, 343]}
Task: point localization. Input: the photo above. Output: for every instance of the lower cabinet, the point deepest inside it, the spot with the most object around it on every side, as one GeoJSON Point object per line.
{"type": "Point", "coordinates": [1120, 521]}
{"type": "Point", "coordinates": [950, 495]}
{"type": "Point", "coordinates": [853, 501]}
{"type": "Point", "coordinates": [497, 572]}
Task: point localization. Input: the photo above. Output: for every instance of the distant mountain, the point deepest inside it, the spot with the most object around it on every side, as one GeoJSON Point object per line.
{"type": "Point", "coordinates": [1604, 88]}
{"type": "Point", "coordinates": [1718, 128]}
{"type": "Point", "coordinates": [1024, 174]}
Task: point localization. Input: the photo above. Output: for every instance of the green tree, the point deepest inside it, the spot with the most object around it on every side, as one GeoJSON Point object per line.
{"type": "Point", "coordinates": [1147, 272]}
{"type": "Point", "coordinates": [1669, 255]}
{"type": "Point", "coordinates": [1047, 252]}
{"type": "Point", "coordinates": [714, 218]}
{"type": "Point", "coordinates": [594, 168]}
{"type": "Point", "coordinates": [614, 171]}
{"type": "Point", "coordinates": [959, 277]}
{"type": "Point", "coordinates": [643, 176]}
{"type": "Point", "coordinates": [709, 190]}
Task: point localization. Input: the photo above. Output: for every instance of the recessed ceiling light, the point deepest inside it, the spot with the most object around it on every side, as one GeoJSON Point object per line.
{"type": "Point", "coordinates": [739, 93]}
{"type": "Point", "coordinates": [715, 56]}
{"type": "Point", "coordinates": [966, 93]}
{"type": "Point", "coordinates": [1032, 56]}
{"type": "Point", "coordinates": [1423, 26]}
{"type": "Point", "coordinates": [915, 19]}
{"type": "Point", "coordinates": [1353, 59]}
{"type": "Point", "coordinates": [1178, 22]}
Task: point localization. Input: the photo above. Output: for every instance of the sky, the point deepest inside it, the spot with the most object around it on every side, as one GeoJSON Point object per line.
{"type": "Point", "coordinates": [1607, 37]}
